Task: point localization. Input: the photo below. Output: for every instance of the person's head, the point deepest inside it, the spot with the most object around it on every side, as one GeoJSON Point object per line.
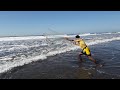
{"type": "Point", "coordinates": [77, 36]}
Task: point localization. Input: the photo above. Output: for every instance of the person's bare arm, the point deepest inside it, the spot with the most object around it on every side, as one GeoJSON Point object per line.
{"type": "Point", "coordinates": [68, 39]}
{"type": "Point", "coordinates": [74, 41]}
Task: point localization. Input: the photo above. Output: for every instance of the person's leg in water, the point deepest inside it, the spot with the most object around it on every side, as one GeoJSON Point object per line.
{"type": "Point", "coordinates": [92, 59]}
{"type": "Point", "coordinates": [88, 54]}
{"type": "Point", "coordinates": [97, 64]}
{"type": "Point", "coordinates": [80, 57]}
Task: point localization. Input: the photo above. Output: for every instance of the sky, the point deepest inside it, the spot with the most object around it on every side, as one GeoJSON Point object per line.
{"type": "Point", "coordinates": [67, 22]}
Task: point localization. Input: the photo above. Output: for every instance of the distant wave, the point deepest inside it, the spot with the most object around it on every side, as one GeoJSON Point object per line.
{"type": "Point", "coordinates": [106, 33]}
{"type": "Point", "coordinates": [111, 33]}
{"type": "Point", "coordinates": [30, 37]}
{"type": "Point", "coordinates": [87, 34]}
{"type": "Point", "coordinates": [21, 38]}
{"type": "Point", "coordinates": [48, 36]}
{"type": "Point", "coordinates": [103, 41]}
{"type": "Point", "coordinates": [41, 37]}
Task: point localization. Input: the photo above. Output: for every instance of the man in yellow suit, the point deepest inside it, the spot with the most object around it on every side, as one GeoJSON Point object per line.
{"type": "Point", "coordinates": [85, 49]}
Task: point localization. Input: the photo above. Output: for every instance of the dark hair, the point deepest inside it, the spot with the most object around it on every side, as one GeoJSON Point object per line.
{"type": "Point", "coordinates": [77, 36]}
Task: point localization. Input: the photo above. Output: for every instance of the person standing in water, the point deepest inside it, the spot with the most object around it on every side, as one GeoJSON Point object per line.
{"type": "Point", "coordinates": [85, 49]}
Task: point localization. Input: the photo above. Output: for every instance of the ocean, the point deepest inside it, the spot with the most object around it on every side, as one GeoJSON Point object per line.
{"type": "Point", "coordinates": [52, 56]}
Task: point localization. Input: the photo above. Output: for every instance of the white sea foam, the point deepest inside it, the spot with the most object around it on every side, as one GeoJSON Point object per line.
{"type": "Point", "coordinates": [10, 65]}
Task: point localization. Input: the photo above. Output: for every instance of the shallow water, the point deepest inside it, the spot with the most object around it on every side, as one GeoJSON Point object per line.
{"type": "Point", "coordinates": [67, 65]}
{"type": "Point", "coordinates": [104, 47]}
